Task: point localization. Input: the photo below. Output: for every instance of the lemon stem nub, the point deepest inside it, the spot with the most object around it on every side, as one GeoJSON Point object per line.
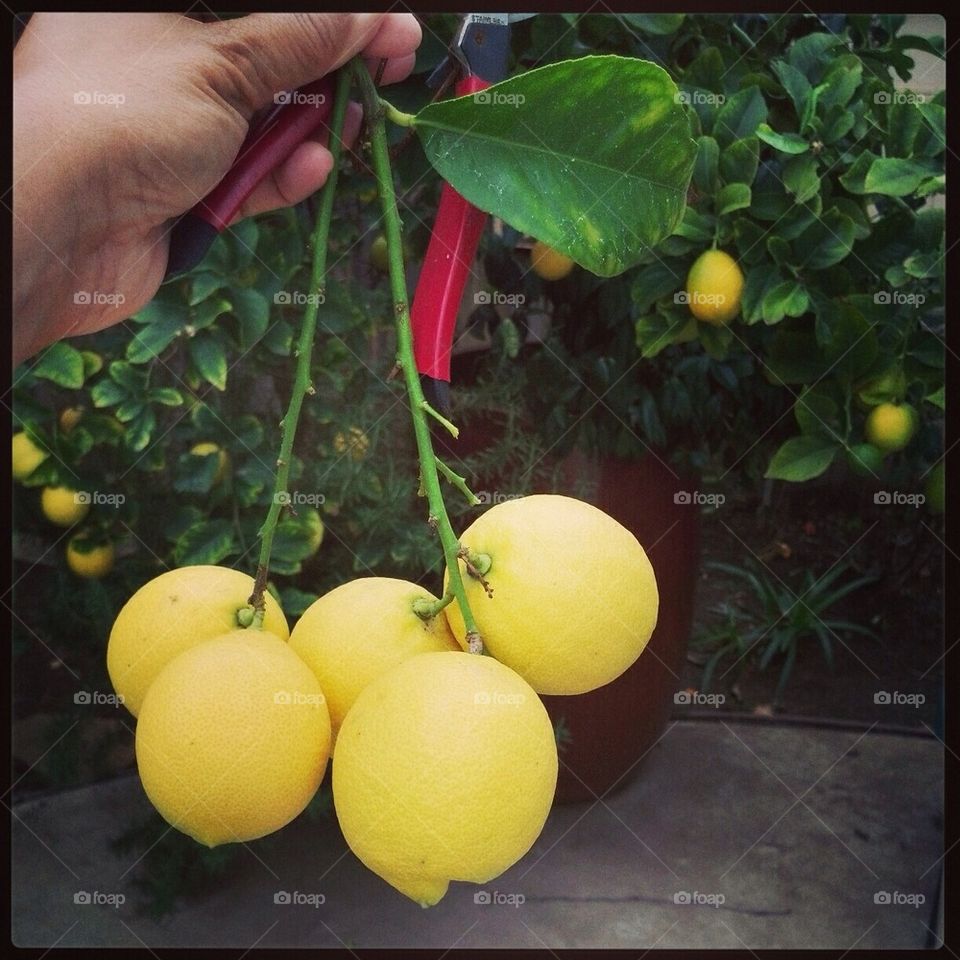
{"type": "Point", "coordinates": [427, 609]}
{"type": "Point", "coordinates": [474, 643]}
{"type": "Point", "coordinates": [245, 616]}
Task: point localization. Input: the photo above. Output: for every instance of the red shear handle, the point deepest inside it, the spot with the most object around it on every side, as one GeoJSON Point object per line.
{"type": "Point", "coordinates": [450, 254]}
{"type": "Point", "coordinates": [265, 148]}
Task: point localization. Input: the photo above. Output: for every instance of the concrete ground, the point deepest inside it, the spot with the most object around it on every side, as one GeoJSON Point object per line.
{"type": "Point", "coordinates": [733, 835]}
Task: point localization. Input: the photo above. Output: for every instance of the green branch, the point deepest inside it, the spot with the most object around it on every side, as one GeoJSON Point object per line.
{"type": "Point", "coordinates": [301, 385]}
{"type": "Point", "coordinates": [429, 477]}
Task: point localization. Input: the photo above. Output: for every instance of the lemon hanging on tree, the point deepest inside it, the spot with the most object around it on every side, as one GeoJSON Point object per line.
{"type": "Point", "coordinates": [890, 426]}
{"type": "Point", "coordinates": [573, 598]}
{"type": "Point", "coordinates": [445, 769]}
{"type": "Point", "coordinates": [715, 287]}
{"type": "Point", "coordinates": [549, 264]}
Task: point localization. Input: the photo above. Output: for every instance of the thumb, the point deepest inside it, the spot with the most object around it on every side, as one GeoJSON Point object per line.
{"type": "Point", "coordinates": [260, 54]}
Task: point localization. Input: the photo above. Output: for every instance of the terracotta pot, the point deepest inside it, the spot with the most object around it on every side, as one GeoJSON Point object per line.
{"type": "Point", "coordinates": [612, 728]}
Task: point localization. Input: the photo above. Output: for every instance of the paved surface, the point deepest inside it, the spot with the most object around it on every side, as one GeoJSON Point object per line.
{"type": "Point", "coordinates": [780, 837]}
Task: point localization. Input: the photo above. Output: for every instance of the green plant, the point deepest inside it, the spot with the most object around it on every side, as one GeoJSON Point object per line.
{"type": "Point", "coordinates": [815, 173]}
{"type": "Point", "coordinates": [778, 622]}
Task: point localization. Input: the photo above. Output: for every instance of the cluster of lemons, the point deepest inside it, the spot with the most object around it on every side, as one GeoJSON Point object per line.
{"type": "Point", "coordinates": [444, 761]}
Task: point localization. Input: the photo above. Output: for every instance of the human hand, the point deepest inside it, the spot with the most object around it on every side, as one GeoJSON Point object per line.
{"type": "Point", "coordinates": [97, 184]}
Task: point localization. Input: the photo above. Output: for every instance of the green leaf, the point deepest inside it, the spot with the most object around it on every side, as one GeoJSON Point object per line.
{"type": "Point", "coordinates": [106, 393]}
{"type": "Point", "coordinates": [784, 142]}
{"type": "Point", "coordinates": [716, 340]}
{"type": "Point", "coordinates": [808, 54]}
{"type": "Point", "coordinates": [739, 161]}
{"type": "Point", "coordinates": [787, 299]}
{"type": "Point", "coordinates": [705, 168]}
{"type": "Point", "coordinates": [656, 331]}
{"type": "Point", "coordinates": [656, 281]}
{"type": "Point", "coordinates": [296, 537]}
{"type": "Point", "coordinates": [154, 337]}
{"type": "Point", "coordinates": [253, 312]}
{"type": "Point", "coordinates": [734, 196]}
{"type": "Point", "coordinates": [206, 542]}
{"type": "Point", "coordinates": [893, 177]}
{"type": "Point", "coordinates": [208, 311]}
{"type": "Point", "coordinates": [802, 458]}
{"type": "Point", "coordinates": [696, 226]}
{"type": "Point", "coordinates": [937, 398]}
{"type": "Point", "coordinates": [129, 377]}
{"type": "Point", "coordinates": [279, 338]}
{"type": "Point", "coordinates": [800, 177]}
{"type": "Point", "coordinates": [92, 363]}
{"type": "Point", "coordinates": [662, 24]}
{"type": "Point", "coordinates": [817, 412]}
{"type": "Point", "coordinates": [167, 396]}
{"type": "Point", "coordinates": [61, 364]}
{"type": "Point", "coordinates": [210, 359]}
{"type": "Point", "coordinates": [840, 82]}
{"type": "Point", "coordinates": [140, 430]}
{"type": "Point", "coordinates": [795, 83]}
{"type": "Point", "coordinates": [827, 241]}
{"type": "Point", "coordinates": [855, 178]}
{"type": "Point", "coordinates": [195, 473]}
{"type": "Point", "coordinates": [202, 285]}
{"type": "Point", "coordinates": [759, 280]}
{"type": "Point", "coordinates": [602, 190]}
{"type": "Point", "coordinates": [740, 116]}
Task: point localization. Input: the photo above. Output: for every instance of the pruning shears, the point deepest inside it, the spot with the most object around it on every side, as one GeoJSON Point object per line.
{"type": "Point", "coordinates": [293, 118]}
{"type": "Point", "coordinates": [480, 53]}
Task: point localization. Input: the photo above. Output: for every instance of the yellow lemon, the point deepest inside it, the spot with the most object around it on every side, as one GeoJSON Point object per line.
{"type": "Point", "coordinates": [89, 560]}
{"type": "Point", "coordinates": [714, 287]}
{"type": "Point", "coordinates": [354, 442]}
{"type": "Point", "coordinates": [27, 456]}
{"type": "Point", "coordinates": [548, 263]}
{"type": "Point", "coordinates": [574, 596]}
{"type": "Point", "coordinates": [233, 738]}
{"type": "Point", "coordinates": [205, 449]}
{"type": "Point", "coordinates": [70, 417]}
{"type": "Point", "coordinates": [172, 613]}
{"type": "Point", "coordinates": [890, 426]}
{"type": "Point", "coordinates": [64, 506]}
{"type": "Point", "coordinates": [445, 769]}
{"type": "Point", "coordinates": [355, 633]}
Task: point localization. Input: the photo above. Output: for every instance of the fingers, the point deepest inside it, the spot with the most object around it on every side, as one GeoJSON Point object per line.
{"type": "Point", "coordinates": [398, 36]}
{"type": "Point", "coordinates": [397, 68]}
{"type": "Point", "coordinates": [303, 173]}
{"type": "Point", "coordinates": [261, 54]}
